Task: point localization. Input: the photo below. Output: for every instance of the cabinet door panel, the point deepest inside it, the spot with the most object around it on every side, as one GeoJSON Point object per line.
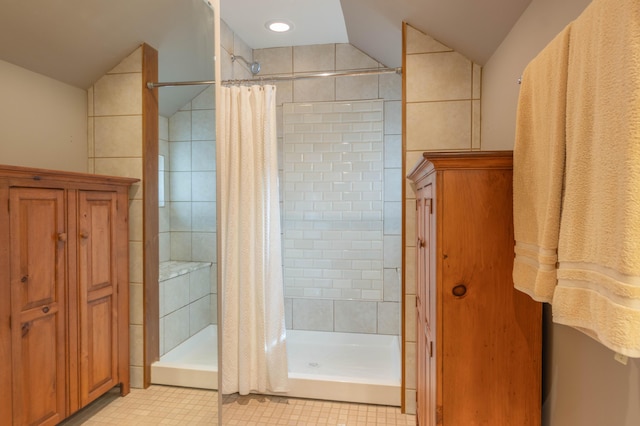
{"type": "Point", "coordinates": [482, 344]}
{"type": "Point", "coordinates": [97, 290]}
{"type": "Point", "coordinates": [37, 218]}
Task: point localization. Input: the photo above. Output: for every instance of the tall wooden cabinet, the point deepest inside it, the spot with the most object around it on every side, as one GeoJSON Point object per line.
{"type": "Point", "coordinates": [479, 340]}
{"type": "Point", "coordinates": [64, 308]}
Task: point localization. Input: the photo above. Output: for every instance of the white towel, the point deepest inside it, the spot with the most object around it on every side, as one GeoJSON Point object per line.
{"type": "Point", "coordinates": [598, 287]}
{"type": "Point", "coordinates": [538, 169]}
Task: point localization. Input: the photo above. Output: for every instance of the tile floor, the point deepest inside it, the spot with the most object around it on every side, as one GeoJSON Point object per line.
{"type": "Point", "coordinates": [166, 405]}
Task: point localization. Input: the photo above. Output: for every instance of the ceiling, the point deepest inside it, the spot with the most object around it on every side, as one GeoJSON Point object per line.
{"type": "Point", "coordinates": [77, 41]}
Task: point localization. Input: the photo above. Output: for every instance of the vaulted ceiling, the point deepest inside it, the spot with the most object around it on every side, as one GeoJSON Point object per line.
{"type": "Point", "coordinates": [77, 41]}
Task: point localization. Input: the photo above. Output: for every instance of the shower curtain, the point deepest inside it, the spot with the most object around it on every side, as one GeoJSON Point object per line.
{"type": "Point", "coordinates": [254, 355]}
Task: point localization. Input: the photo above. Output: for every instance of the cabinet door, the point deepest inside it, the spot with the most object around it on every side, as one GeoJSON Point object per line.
{"type": "Point", "coordinates": [424, 302]}
{"type": "Point", "coordinates": [422, 356]}
{"type": "Point", "coordinates": [485, 347]}
{"type": "Point", "coordinates": [37, 218]}
{"type": "Point", "coordinates": [97, 293]}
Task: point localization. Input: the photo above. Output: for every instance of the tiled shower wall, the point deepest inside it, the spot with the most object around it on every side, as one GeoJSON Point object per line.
{"type": "Point", "coordinates": [187, 221]}
{"type": "Point", "coordinates": [332, 199]}
{"type": "Point", "coordinates": [352, 315]}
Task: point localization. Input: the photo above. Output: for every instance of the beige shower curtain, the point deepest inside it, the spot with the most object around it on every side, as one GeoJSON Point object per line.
{"type": "Point", "coordinates": [254, 355]}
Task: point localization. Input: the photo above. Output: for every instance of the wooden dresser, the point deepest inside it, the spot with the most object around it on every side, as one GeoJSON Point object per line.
{"type": "Point", "coordinates": [479, 340]}
{"type": "Point", "coordinates": [64, 287]}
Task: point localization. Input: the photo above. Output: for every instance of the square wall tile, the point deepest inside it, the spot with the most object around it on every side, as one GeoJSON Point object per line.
{"type": "Point", "coordinates": [355, 316]}
{"type": "Point", "coordinates": [392, 251]}
{"type": "Point", "coordinates": [439, 126]}
{"type": "Point", "coordinates": [176, 293]}
{"type": "Point", "coordinates": [203, 186]}
{"type": "Point", "coordinates": [389, 318]}
{"type": "Point", "coordinates": [312, 314]}
{"type": "Point", "coordinates": [205, 99]}
{"type": "Point", "coordinates": [316, 57]}
{"type": "Point", "coordinates": [410, 360]}
{"type": "Point", "coordinates": [276, 60]}
{"type": "Point", "coordinates": [136, 304]}
{"type": "Point", "coordinates": [203, 246]}
{"type": "Point", "coordinates": [392, 184]}
{"type": "Point", "coordinates": [438, 77]}
{"type": "Point", "coordinates": [163, 129]}
{"type": "Point", "coordinates": [316, 90]}
{"type": "Point", "coordinates": [136, 345]}
{"type": "Point", "coordinates": [135, 220]}
{"type": "Point", "coordinates": [164, 241]}
{"type": "Point", "coordinates": [199, 314]}
{"type": "Point", "coordinates": [180, 216]}
{"type": "Point", "coordinates": [203, 156]}
{"type": "Point", "coordinates": [410, 318]}
{"type": "Point", "coordinates": [180, 126]}
{"type": "Point", "coordinates": [392, 218]}
{"type": "Point", "coordinates": [203, 216]}
{"type": "Point", "coordinates": [176, 328]}
{"type": "Point", "coordinates": [390, 87]}
{"type": "Point", "coordinates": [136, 377]}
{"type": "Point", "coordinates": [180, 186]}
{"type": "Point", "coordinates": [181, 246]}
{"type": "Point", "coordinates": [135, 262]}
{"type": "Point", "coordinates": [199, 284]}
{"type": "Point", "coordinates": [410, 270]}
{"type": "Point", "coordinates": [179, 157]}
{"type": "Point", "coordinates": [391, 285]}
{"type": "Point", "coordinates": [203, 125]}
{"type": "Point", "coordinates": [358, 87]}
{"type": "Point", "coordinates": [118, 94]}
{"type": "Point", "coordinates": [164, 218]}
{"type": "Point", "coordinates": [393, 151]}
{"type": "Point", "coordinates": [393, 118]}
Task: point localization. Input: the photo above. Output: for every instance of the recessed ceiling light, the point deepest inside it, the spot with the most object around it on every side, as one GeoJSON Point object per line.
{"type": "Point", "coordinates": [279, 26]}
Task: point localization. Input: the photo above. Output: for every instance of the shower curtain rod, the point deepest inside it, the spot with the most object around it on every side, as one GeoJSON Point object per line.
{"type": "Point", "coordinates": [281, 77]}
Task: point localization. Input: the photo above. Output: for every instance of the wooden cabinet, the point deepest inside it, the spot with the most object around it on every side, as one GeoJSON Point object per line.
{"type": "Point", "coordinates": [479, 340]}
{"type": "Point", "coordinates": [64, 307]}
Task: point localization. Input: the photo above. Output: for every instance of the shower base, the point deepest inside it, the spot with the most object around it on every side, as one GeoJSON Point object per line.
{"type": "Point", "coordinates": [349, 367]}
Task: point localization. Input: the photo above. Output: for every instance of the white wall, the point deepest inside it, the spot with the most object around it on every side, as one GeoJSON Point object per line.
{"type": "Point", "coordinates": [43, 122]}
{"type": "Point", "coordinates": [583, 384]}
{"type": "Point", "coordinates": [537, 26]}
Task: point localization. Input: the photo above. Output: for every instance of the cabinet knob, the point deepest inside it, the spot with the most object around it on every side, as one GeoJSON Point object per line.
{"type": "Point", "coordinates": [62, 237]}
{"type": "Point", "coordinates": [25, 328]}
{"type": "Point", "coordinates": [45, 309]}
{"type": "Point", "coordinates": [24, 279]}
{"type": "Point", "coordinates": [459, 290]}
{"type": "Point", "coordinates": [421, 242]}
{"type": "Point", "coordinates": [84, 235]}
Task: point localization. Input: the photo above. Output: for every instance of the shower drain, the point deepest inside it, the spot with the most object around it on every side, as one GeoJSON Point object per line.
{"type": "Point", "coordinates": [314, 364]}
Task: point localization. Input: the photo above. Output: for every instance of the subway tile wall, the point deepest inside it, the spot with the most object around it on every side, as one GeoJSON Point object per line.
{"type": "Point", "coordinates": [380, 313]}
{"type": "Point", "coordinates": [333, 201]}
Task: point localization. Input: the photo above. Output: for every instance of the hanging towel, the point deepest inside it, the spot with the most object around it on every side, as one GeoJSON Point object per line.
{"type": "Point", "coordinates": [538, 169]}
{"type": "Point", "coordinates": [598, 287]}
